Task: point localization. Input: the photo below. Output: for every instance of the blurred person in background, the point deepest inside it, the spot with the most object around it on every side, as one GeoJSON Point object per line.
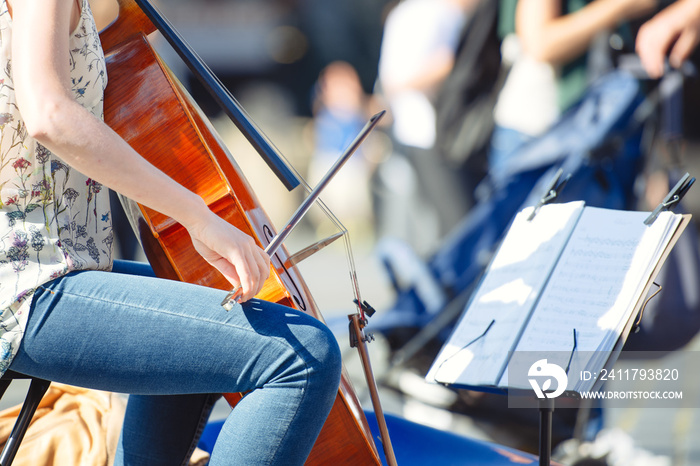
{"type": "Point", "coordinates": [548, 45]}
{"type": "Point", "coordinates": [417, 196]}
{"type": "Point", "coordinates": [340, 110]}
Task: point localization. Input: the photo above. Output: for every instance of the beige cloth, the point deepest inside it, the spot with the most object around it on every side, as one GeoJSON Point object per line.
{"type": "Point", "coordinates": [73, 426]}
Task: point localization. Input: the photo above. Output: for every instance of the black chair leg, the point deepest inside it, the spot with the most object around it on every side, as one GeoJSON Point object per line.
{"type": "Point", "coordinates": [36, 392]}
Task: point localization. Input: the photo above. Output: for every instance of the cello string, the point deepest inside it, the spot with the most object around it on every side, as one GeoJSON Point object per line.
{"type": "Point", "coordinates": [349, 256]}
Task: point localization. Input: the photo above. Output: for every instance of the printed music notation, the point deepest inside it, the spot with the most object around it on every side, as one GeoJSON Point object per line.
{"type": "Point", "coordinates": [571, 268]}
{"type": "Point", "coordinates": [507, 293]}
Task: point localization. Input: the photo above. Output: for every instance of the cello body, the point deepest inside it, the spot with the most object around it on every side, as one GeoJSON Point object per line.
{"type": "Point", "coordinates": [146, 105]}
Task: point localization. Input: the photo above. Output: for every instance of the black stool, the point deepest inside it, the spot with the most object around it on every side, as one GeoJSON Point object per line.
{"type": "Point", "coordinates": [37, 389]}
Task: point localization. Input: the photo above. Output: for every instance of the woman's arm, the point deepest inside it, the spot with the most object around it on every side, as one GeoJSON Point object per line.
{"type": "Point", "coordinates": [549, 36]}
{"type": "Point", "coordinates": [40, 61]}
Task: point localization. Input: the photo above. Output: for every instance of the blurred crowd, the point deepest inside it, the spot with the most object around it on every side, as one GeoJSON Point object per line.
{"type": "Point", "coordinates": [458, 109]}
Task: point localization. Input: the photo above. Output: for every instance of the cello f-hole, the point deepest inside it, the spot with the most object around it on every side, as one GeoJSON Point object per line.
{"type": "Point", "coordinates": [295, 295]}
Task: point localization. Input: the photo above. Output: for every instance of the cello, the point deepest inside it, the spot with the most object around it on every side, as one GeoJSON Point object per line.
{"type": "Point", "coordinates": [146, 105]}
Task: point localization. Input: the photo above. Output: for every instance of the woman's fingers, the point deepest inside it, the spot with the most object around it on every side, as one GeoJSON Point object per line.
{"type": "Point", "coordinates": [234, 254]}
{"type": "Point", "coordinates": [252, 271]}
{"type": "Point", "coordinates": [653, 42]}
{"type": "Point", "coordinates": [683, 47]}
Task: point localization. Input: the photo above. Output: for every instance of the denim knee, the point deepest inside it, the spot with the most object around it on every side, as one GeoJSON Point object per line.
{"type": "Point", "coordinates": [323, 359]}
{"type": "Point", "coordinates": [333, 359]}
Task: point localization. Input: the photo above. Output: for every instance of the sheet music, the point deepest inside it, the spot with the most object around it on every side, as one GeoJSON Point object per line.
{"type": "Point", "coordinates": [504, 299]}
{"type": "Point", "coordinates": [597, 282]}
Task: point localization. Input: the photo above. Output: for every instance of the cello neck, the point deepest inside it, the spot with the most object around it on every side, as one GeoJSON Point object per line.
{"type": "Point", "coordinates": [130, 22]}
{"type": "Point", "coordinates": [141, 17]}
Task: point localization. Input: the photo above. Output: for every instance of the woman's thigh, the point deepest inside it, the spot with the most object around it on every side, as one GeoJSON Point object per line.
{"type": "Point", "coordinates": [138, 334]}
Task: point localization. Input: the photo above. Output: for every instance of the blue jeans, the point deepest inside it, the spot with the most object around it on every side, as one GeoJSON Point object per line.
{"type": "Point", "coordinates": [174, 349]}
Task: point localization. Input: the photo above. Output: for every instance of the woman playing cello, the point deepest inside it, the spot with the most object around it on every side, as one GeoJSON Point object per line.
{"type": "Point", "coordinates": [72, 314]}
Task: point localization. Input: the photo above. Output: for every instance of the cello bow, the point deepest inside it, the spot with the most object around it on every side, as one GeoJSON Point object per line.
{"type": "Point", "coordinates": [146, 105]}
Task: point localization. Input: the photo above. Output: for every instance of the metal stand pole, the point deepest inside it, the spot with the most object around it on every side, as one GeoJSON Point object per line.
{"type": "Point", "coordinates": [359, 340]}
{"type": "Point", "coordinates": [546, 410]}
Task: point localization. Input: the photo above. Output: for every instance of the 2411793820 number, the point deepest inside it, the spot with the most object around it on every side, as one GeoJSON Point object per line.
{"type": "Point", "coordinates": [632, 374]}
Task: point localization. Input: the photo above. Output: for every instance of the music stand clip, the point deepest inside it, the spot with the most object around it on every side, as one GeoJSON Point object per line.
{"type": "Point", "coordinates": [553, 189]}
{"type": "Point", "coordinates": [672, 198]}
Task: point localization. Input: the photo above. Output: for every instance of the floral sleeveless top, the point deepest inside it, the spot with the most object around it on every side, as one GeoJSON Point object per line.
{"type": "Point", "coordinates": [53, 219]}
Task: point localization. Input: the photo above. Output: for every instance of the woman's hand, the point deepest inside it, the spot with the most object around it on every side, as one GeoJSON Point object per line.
{"type": "Point", "coordinates": [674, 31]}
{"type": "Point", "coordinates": [231, 252]}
